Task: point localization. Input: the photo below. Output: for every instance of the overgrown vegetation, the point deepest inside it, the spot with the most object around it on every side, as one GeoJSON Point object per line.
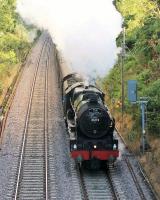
{"type": "Point", "coordinates": [142, 60]}
{"type": "Point", "coordinates": [14, 42]}
{"type": "Point", "coordinates": [141, 63]}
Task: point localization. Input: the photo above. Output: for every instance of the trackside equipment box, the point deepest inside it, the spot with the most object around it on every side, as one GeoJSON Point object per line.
{"type": "Point", "coordinates": [132, 91]}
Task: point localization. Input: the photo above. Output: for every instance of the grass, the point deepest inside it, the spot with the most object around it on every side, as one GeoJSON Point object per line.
{"type": "Point", "coordinates": [7, 75]}
{"type": "Point", "coordinates": [151, 163]}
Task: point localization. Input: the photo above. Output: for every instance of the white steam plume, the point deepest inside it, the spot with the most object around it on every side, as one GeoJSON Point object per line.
{"type": "Point", "coordinates": [84, 30]}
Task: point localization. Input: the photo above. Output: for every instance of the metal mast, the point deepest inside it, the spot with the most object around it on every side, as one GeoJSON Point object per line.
{"type": "Point", "coordinates": [122, 73]}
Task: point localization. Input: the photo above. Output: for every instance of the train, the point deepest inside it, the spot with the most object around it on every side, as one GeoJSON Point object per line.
{"type": "Point", "coordinates": [88, 120]}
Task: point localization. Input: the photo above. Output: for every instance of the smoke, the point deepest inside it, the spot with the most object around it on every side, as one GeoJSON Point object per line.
{"type": "Point", "coordinates": [84, 30]}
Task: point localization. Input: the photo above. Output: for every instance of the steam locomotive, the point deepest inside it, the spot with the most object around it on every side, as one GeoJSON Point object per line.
{"type": "Point", "coordinates": [89, 122]}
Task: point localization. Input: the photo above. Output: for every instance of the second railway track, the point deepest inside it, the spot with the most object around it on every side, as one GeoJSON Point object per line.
{"type": "Point", "coordinates": [32, 177]}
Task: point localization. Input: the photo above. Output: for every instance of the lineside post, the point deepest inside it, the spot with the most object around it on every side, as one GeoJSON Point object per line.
{"type": "Point", "coordinates": [132, 97]}
{"type": "Point", "coordinates": [122, 75]}
{"type": "Point", "coordinates": [143, 105]}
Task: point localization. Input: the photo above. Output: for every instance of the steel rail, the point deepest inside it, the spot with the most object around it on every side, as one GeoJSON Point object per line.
{"type": "Point", "coordinates": [139, 189]}
{"type": "Point", "coordinates": [46, 125]}
{"type": "Point", "coordinates": [115, 195]}
{"type": "Point", "coordinates": [26, 123]}
{"type": "Point", "coordinates": [84, 189]}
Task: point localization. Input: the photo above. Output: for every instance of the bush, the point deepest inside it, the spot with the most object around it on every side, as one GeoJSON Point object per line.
{"type": "Point", "coordinates": [1, 88]}
{"type": "Point", "coordinates": [142, 61]}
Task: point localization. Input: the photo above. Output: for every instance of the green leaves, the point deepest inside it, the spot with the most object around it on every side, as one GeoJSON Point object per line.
{"type": "Point", "coordinates": [14, 44]}
{"type": "Point", "coordinates": [135, 11]}
{"type": "Point", "coordinates": [13, 34]}
{"type": "Point", "coordinates": [142, 61]}
{"type": "Point", "coordinates": [7, 22]}
{"type": "Point", "coordinates": [154, 107]}
{"type": "Point", "coordinates": [8, 57]}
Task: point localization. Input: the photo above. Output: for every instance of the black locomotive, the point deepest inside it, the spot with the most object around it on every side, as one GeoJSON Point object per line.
{"type": "Point", "coordinates": [90, 125]}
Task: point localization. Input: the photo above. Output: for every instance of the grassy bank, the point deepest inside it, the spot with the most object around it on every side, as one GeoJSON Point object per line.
{"type": "Point", "coordinates": [141, 63]}
{"type": "Point", "coordinates": [15, 43]}
{"type": "Point", "coordinates": [6, 78]}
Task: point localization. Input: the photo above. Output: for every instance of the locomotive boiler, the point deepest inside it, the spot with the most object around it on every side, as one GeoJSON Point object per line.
{"type": "Point", "coordinates": [89, 122]}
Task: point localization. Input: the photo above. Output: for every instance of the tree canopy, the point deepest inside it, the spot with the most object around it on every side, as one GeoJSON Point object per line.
{"type": "Point", "coordinates": [142, 60]}
{"type": "Point", "coordinates": [14, 42]}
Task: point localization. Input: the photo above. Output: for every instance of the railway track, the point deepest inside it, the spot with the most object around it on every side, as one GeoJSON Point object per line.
{"type": "Point", "coordinates": [96, 185]}
{"type": "Point", "coordinates": [103, 184]}
{"type": "Point", "coordinates": [32, 177]}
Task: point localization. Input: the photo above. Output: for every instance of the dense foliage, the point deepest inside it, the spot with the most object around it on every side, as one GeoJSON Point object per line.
{"type": "Point", "coordinates": [14, 43]}
{"type": "Point", "coordinates": [142, 59]}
